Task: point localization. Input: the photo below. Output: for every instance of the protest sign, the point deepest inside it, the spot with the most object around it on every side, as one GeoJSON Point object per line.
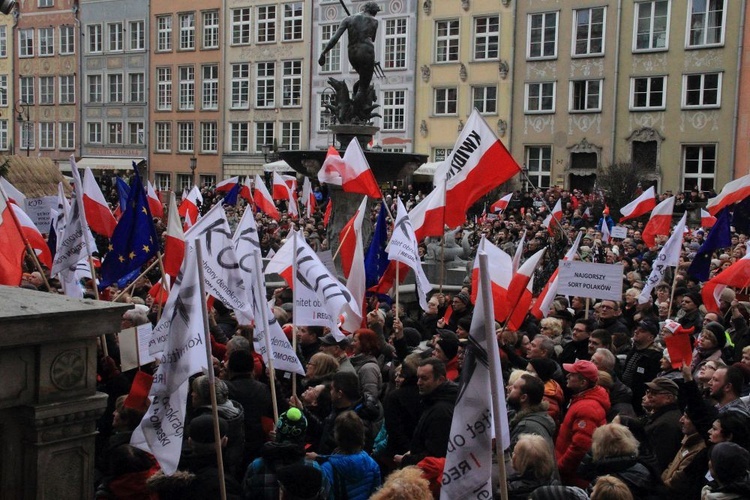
{"type": "Point", "coordinates": [584, 279]}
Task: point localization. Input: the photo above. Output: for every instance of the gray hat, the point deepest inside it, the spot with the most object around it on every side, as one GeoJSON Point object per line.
{"type": "Point", "coordinates": [329, 339]}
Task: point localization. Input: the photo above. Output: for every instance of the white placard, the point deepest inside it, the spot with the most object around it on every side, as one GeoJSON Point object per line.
{"type": "Point", "coordinates": [619, 232]}
{"type": "Point", "coordinates": [128, 359]}
{"type": "Point", "coordinates": [38, 210]}
{"type": "Point", "coordinates": [596, 281]}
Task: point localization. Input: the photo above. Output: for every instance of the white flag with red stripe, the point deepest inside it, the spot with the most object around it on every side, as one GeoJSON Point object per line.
{"type": "Point", "coordinates": [731, 193]}
{"type": "Point", "coordinates": [352, 172]}
{"type": "Point", "coordinates": [308, 198]}
{"type": "Point", "coordinates": [500, 205]}
{"type": "Point", "coordinates": [428, 216]}
{"type": "Point", "coordinates": [174, 240]}
{"type": "Point", "coordinates": [189, 205]}
{"type": "Point", "coordinates": [501, 274]}
{"type": "Point", "coordinates": [33, 236]}
{"type": "Point", "coordinates": [660, 221]}
{"type": "Point", "coordinates": [707, 220]}
{"type": "Point", "coordinates": [519, 252]}
{"type": "Point", "coordinates": [552, 221]}
{"type": "Point", "coordinates": [227, 184]}
{"type": "Point", "coordinates": [13, 194]}
{"type": "Point", "coordinates": [737, 275]}
{"type": "Point", "coordinates": [264, 201]}
{"type": "Point", "coordinates": [356, 280]}
{"type": "Point", "coordinates": [668, 256]}
{"type": "Point", "coordinates": [154, 201]}
{"type": "Point", "coordinates": [521, 279]}
{"type": "Point", "coordinates": [640, 206]}
{"type": "Point", "coordinates": [543, 304]}
{"type": "Point", "coordinates": [98, 214]}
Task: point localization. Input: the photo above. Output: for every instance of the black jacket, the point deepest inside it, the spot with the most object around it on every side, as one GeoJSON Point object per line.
{"type": "Point", "coordinates": [433, 429]}
{"type": "Point", "coordinates": [664, 434]}
{"type": "Point", "coordinates": [255, 398]}
{"type": "Point", "coordinates": [401, 417]}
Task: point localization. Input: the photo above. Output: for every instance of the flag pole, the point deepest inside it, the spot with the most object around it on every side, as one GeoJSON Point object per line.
{"type": "Point", "coordinates": [341, 241]}
{"type": "Point", "coordinates": [164, 284]}
{"type": "Point", "coordinates": [264, 319]}
{"type": "Point", "coordinates": [132, 283]}
{"type": "Point", "coordinates": [211, 376]}
{"type": "Point", "coordinates": [294, 308]}
{"type": "Point", "coordinates": [489, 333]}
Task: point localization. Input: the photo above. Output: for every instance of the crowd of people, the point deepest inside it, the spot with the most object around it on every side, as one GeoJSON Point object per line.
{"type": "Point", "coordinates": [596, 407]}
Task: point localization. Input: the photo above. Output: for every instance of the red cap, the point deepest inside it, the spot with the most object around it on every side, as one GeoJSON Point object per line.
{"type": "Point", "coordinates": [586, 369]}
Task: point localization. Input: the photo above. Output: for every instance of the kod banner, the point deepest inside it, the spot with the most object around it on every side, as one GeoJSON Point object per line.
{"type": "Point", "coordinates": [584, 279]}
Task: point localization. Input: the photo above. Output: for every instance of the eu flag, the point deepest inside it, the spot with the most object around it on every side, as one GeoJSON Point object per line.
{"type": "Point", "coordinates": [134, 241]}
{"type": "Point", "coordinates": [123, 191]}
{"type": "Point", "coordinates": [718, 237]}
{"type": "Point", "coordinates": [231, 197]}
{"type": "Point", "coordinates": [376, 260]}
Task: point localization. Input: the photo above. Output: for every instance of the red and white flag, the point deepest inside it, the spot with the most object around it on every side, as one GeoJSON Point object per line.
{"type": "Point", "coordinates": [33, 236]}
{"type": "Point", "coordinates": [606, 236]}
{"type": "Point", "coordinates": [352, 172]}
{"type": "Point", "coordinates": [356, 281]}
{"type": "Point", "coordinates": [737, 275]}
{"type": "Point", "coordinates": [552, 221]}
{"type": "Point", "coordinates": [523, 306]}
{"type": "Point", "coordinates": [308, 198]}
{"type": "Point", "coordinates": [98, 214]}
{"type": "Point", "coordinates": [227, 184]}
{"type": "Point", "coordinates": [500, 205]}
{"type": "Point", "coordinates": [428, 216]}
{"type": "Point", "coordinates": [543, 304]}
{"type": "Point", "coordinates": [13, 194]}
{"type": "Point", "coordinates": [154, 201]}
{"type": "Point", "coordinates": [403, 248]}
{"type": "Point", "coordinates": [12, 248]}
{"type": "Point", "coordinates": [280, 188]}
{"type": "Point", "coordinates": [189, 205]}
{"type": "Point", "coordinates": [285, 189]}
{"type": "Point", "coordinates": [707, 220]}
{"type": "Point", "coordinates": [174, 240]}
{"type": "Point", "coordinates": [501, 274]}
{"type": "Point", "coordinates": [520, 281]}
{"type": "Point", "coordinates": [640, 206]}
{"type": "Point", "coordinates": [348, 237]}
{"type": "Point", "coordinates": [246, 191]}
{"type": "Point", "coordinates": [660, 222]}
{"type": "Point", "coordinates": [668, 256]}
{"type": "Point", "coordinates": [519, 252]}
{"type": "Point", "coordinates": [478, 164]}
{"type": "Point", "coordinates": [731, 193]}
{"type": "Point", "coordinates": [264, 201]}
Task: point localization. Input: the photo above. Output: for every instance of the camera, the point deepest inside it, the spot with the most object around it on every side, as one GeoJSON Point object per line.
{"type": "Point", "coordinates": [6, 6]}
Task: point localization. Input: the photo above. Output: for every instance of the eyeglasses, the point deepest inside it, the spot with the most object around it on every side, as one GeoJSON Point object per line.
{"type": "Point", "coordinates": [606, 307]}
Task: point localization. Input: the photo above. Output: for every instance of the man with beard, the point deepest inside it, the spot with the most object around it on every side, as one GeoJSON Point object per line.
{"type": "Point", "coordinates": [726, 387]}
{"type": "Point", "coordinates": [578, 347]}
{"type": "Point", "coordinates": [525, 397]}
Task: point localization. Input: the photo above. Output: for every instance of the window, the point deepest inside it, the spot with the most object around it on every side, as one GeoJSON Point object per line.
{"type": "Point", "coordinates": [95, 88]}
{"type": "Point", "coordinates": [163, 33]}
{"type": "Point", "coordinates": [586, 95]}
{"type": "Point", "coordinates": [4, 85]}
{"type": "Point", "coordinates": [163, 137]}
{"type": "Point", "coordinates": [589, 31]}
{"type": "Point", "coordinates": [539, 164]}
{"type": "Point", "coordinates": [486, 37]}
{"type": "Point", "coordinates": [4, 42]}
{"type": "Point", "coordinates": [137, 86]}
{"type": "Point", "coordinates": [324, 120]}
{"type": "Point", "coordinates": [485, 99]}
{"type": "Point", "coordinates": [27, 136]}
{"type": "Point", "coordinates": [293, 22]}
{"type": "Point", "coordinates": [46, 42]}
{"type": "Point", "coordinates": [94, 132]}
{"type": "Point", "coordinates": [239, 133]}
{"type": "Point", "coordinates": [333, 58]}
{"type": "Point", "coordinates": [67, 135]}
{"type": "Point", "coordinates": [395, 43]}
{"type": "Point", "coordinates": [163, 89]}
{"type": "Point", "coordinates": [137, 35]}
{"type": "Point", "coordinates": [4, 135]}
{"type": "Point", "coordinates": [291, 84]}
{"type": "Point", "coordinates": [209, 137]}
{"type": "Point", "coordinates": [46, 135]}
{"type": "Point", "coordinates": [184, 182]}
{"type": "Point", "coordinates": [648, 93]}
{"type": "Point", "coordinates": [187, 31]}
{"type": "Point", "coordinates": [240, 86]}
{"type": "Point", "coordinates": [265, 83]}
{"type": "Point", "coordinates": [290, 135]}
{"type": "Point", "coordinates": [706, 23]}
{"type": "Point", "coordinates": [210, 87]}
{"type": "Point", "coordinates": [135, 133]}
{"type": "Point", "coordinates": [446, 49]}
{"type": "Point", "coordinates": [266, 24]}
{"type": "Point", "coordinates": [115, 37]}
{"type": "Point", "coordinates": [651, 25]}
{"type": "Point", "coordinates": [185, 133]}
{"type": "Point", "coordinates": [26, 42]}
{"type": "Point", "coordinates": [263, 135]}
{"type": "Point", "coordinates": [187, 88]}
{"type": "Point", "coordinates": [540, 97]}
{"type": "Point", "coordinates": [46, 3]}
{"type": "Point", "coordinates": [445, 101]}
{"type": "Point", "coordinates": [163, 182]}
{"type": "Point", "coordinates": [46, 90]}
{"type": "Point", "coordinates": [67, 40]}
{"type": "Point", "coordinates": [701, 91]}
{"type": "Point", "coordinates": [207, 180]}
{"type": "Point", "coordinates": [440, 154]}
{"type": "Point", "coordinates": [241, 26]}
{"type": "Point", "coordinates": [114, 132]}
{"type": "Point", "coordinates": [542, 35]}
{"type": "Point", "coordinates": [210, 30]}
{"type": "Point", "coordinates": [95, 38]}
{"type": "Point", "coordinates": [698, 167]}
{"type": "Point", "coordinates": [394, 110]}
{"type": "Point", "coordinates": [67, 89]}
{"type": "Point", "coordinates": [26, 84]}
{"type": "Point", "coordinates": [115, 87]}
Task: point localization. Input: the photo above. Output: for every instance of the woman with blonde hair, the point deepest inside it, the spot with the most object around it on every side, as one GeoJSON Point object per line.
{"type": "Point", "coordinates": [610, 488]}
{"type": "Point", "coordinates": [319, 370]}
{"type": "Point", "coordinates": [533, 464]}
{"type": "Point", "coordinates": [404, 484]}
{"type": "Point", "coordinates": [553, 328]}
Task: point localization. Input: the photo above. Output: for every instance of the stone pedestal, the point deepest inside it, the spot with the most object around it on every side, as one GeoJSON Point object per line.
{"type": "Point", "coordinates": [48, 399]}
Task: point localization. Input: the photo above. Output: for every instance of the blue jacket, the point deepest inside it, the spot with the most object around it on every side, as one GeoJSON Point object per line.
{"type": "Point", "coordinates": [360, 473]}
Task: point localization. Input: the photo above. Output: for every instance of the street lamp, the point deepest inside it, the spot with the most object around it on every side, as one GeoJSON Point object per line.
{"type": "Point", "coordinates": [193, 166]}
{"type": "Point", "coordinates": [22, 115]}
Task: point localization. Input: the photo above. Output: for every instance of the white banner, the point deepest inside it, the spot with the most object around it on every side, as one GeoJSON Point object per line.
{"type": "Point", "coordinates": [39, 209]}
{"type": "Point", "coordinates": [619, 232]}
{"type": "Point", "coordinates": [403, 248]}
{"type": "Point", "coordinates": [584, 279]}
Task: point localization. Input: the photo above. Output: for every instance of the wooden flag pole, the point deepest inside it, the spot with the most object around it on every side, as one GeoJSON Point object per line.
{"type": "Point", "coordinates": [132, 283]}
{"type": "Point", "coordinates": [294, 308]}
{"type": "Point", "coordinates": [211, 376]}
{"type": "Point", "coordinates": [164, 284]}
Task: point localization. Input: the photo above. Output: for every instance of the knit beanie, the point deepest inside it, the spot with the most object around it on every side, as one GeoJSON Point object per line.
{"type": "Point", "coordinates": [718, 331]}
{"type": "Point", "coordinates": [291, 426]}
{"type": "Point", "coordinates": [448, 342]}
{"type": "Point", "coordinates": [544, 368]}
{"type": "Point", "coordinates": [464, 297]}
{"type": "Point", "coordinates": [729, 462]}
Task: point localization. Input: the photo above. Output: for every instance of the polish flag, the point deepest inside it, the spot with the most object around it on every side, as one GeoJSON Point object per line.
{"type": "Point", "coordinates": [519, 252]}
{"type": "Point", "coordinates": [501, 274]}
{"type": "Point", "coordinates": [33, 236]}
{"type": "Point", "coordinates": [154, 201]}
{"type": "Point", "coordinates": [731, 193]}
{"type": "Point", "coordinates": [308, 198]}
{"type": "Point", "coordinates": [12, 248]}
{"type": "Point", "coordinates": [98, 214]}
{"type": "Point", "coordinates": [641, 205]}
{"type": "Point", "coordinates": [660, 221]}
{"type": "Point", "coordinates": [478, 164]}
{"type": "Point", "coordinates": [428, 215]}
{"type": "Point", "coordinates": [174, 240]}
{"type": "Point", "coordinates": [707, 220]}
{"type": "Point", "coordinates": [520, 281]}
{"type": "Point", "coordinates": [543, 304]}
{"type": "Point", "coordinates": [523, 306]}
{"type": "Point", "coordinates": [352, 172]}
{"type": "Point", "coordinates": [553, 219]}
{"type": "Point", "coordinates": [14, 195]}
{"type": "Point", "coordinates": [188, 223]}
{"type": "Point", "coordinates": [501, 204]}
{"type": "Point", "coordinates": [348, 237]}
{"type": "Point", "coordinates": [284, 188]}
{"type": "Point", "coordinates": [606, 236]}
{"type": "Point", "coordinates": [227, 184]}
{"type": "Point", "coordinates": [189, 205]}
{"type": "Point", "coordinates": [737, 275]}
{"type": "Point", "coordinates": [327, 214]}
{"type": "Point", "coordinates": [280, 188]}
{"type": "Point", "coordinates": [354, 271]}
{"type": "Point", "coordinates": [246, 191]}
{"type": "Point", "coordinates": [263, 200]}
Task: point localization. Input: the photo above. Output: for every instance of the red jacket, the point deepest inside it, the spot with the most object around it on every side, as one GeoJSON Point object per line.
{"type": "Point", "coordinates": [587, 411]}
{"type": "Point", "coordinates": [553, 394]}
{"type": "Point", "coordinates": [451, 370]}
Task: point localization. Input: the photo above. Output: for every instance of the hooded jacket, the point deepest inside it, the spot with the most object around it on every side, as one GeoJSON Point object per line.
{"type": "Point", "coordinates": [430, 437]}
{"type": "Point", "coordinates": [359, 473]}
{"type": "Point", "coordinates": [260, 482]}
{"type": "Point", "coordinates": [533, 420]}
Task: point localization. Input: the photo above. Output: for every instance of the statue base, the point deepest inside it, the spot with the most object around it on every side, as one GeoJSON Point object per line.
{"type": "Point", "coordinates": [344, 133]}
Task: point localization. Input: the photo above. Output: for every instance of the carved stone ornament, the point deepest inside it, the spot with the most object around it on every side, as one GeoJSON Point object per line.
{"type": "Point", "coordinates": [462, 73]}
{"type": "Point", "coordinates": [465, 4]}
{"type": "Point", "coordinates": [502, 127]}
{"type": "Point", "coordinates": [425, 73]}
{"type": "Point", "coordinates": [503, 69]}
{"type": "Point", "coordinates": [645, 134]}
{"type": "Point", "coordinates": [423, 128]}
{"type": "Point", "coordinates": [427, 7]}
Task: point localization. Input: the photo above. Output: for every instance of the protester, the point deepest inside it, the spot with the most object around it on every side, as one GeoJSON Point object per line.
{"type": "Point", "coordinates": [533, 464]}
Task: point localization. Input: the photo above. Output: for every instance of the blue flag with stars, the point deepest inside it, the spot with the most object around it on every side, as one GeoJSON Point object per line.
{"type": "Point", "coordinates": [134, 241]}
{"type": "Point", "coordinates": [231, 197]}
{"type": "Point", "coordinates": [123, 191]}
{"type": "Point", "coordinates": [376, 260]}
{"type": "Point", "coordinates": [720, 236]}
